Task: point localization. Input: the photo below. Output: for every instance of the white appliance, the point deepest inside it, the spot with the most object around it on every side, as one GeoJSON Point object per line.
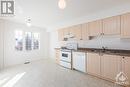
{"type": "Point", "coordinates": [80, 61]}
{"type": "Point", "coordinates": [66, 58]}
{"type": "Point", "coordinates": [66, 55]}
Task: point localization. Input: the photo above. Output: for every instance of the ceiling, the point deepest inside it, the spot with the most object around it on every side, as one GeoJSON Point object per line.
{"type": "Point", "coordinates": [46, 14]}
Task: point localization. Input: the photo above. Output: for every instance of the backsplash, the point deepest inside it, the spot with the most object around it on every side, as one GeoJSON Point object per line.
{"type": "Point", "coordinates": [111, 42]}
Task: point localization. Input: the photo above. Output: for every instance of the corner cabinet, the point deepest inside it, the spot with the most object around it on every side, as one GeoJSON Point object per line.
{"type": "Point", "coordinates": [125, 25]}
{"type": "Point", "coordinates": [111, 26]}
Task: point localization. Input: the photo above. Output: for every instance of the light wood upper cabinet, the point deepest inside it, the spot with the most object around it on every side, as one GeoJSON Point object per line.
{"type": "Point", "coordinates": [95, 28]}
{"type": "Point", "coordinates": [125, 25]}
{"type": "Point", "coordinates": [60, 35]}
{"type": "Point", "coordinates": [111, 25]}
{"type": "Point", "coordinates": [110, 66]}
{"type": "Point", "coordinates": [117, 25]}
{"type": "Point", "coordinates": [93, 64]}
{"type": "Point", "coordinates": [85, 32]}
{"type": "Point", "coordinates": [66, 31]}
{"type": "Point", "coordinates": [76, 31]}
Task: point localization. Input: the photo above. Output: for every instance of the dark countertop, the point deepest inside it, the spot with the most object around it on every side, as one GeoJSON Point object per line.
{"type": "Point", "coordinates": [105, 51]}
{"type": "Point", "coordinates": [57, 48]}
{"type": "Point", "coordinates": [118, 52]}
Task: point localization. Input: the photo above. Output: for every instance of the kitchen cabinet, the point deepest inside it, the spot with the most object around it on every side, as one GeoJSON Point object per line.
{"type": "Point", "coordinates": [65, 31]}
{"type": "Point", "coordinates": [93, 64]}
{"type": "Point", "coordinates": [127, 67]}
{"type": "Point", "coordinates": [125, 25]}
{"type": "Point", "coordinates": [116, 25]}
{"type": "Point", "coordinates": [79, 61]}
{"type": "Point", "coordinates": [110, 66]}
{"type": "Point", "coordinates": [57, 54]}
{"type": "Point", "coordinates": [111, 26]}
{"type": "Point", "coordinates": [60, 35]}
{"type": "Point", "coordinates": [95, 28]}
{"type": "Point", "coordinates": [85, 32]}
{"type": "Point", "coordinates": [107, 66]}
{"type": "Point", "coordinates": [76, 31]}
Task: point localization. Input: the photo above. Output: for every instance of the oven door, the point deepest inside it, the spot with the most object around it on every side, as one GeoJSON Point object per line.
{"type": "Point", "coordinates": [65, 56]}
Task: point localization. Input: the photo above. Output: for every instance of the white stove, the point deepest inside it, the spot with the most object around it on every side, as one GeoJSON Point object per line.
{"type": "Point", "coordinates": [66, 55]}
{"type": "Point", "coordinates": [66, 58]}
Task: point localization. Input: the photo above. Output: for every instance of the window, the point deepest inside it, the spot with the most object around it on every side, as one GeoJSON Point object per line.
{"type": "Point", "coordinates": [28, 40]}
{"type": "Point", "coordinates": [36, 37]}
{"type": "Point", "coordinates": [32, 40]}
{"type": "Point", "coordinates": [18, 40]}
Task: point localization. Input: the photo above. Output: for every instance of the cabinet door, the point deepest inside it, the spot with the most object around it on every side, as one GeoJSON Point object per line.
{"type": "Point", "coordinates": [57, 53]}
{"type": "Point", "coordinates": [127, 67]}
{"type": "Point", "coordinates": [125, 25]}
{"type": "Point", "coordinates": [110, 66]}
{"type": "Point", "coordinates": [66, 31]}
{"type": "Point", "coordinates": [85, 32]}
{"type": "Point", "coordinates": [93, 64]}
{"type": "Point", "coordinates": [60, 35]}
{"type": "Point", "coordinates": [95, 28]}
{"type": "Point", "coordinates": [76, 31]}
{"type": "Point", "coordinates": [111, 25]}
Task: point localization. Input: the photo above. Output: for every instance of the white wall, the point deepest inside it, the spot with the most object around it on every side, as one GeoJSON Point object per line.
{"type": "Point", "coordinates": [1, 45]}
{"type": "Point", "coordinates": [13, 57]}
{"type": "Point", "coordinates": [93, 16]}
{"type": "Point", "coordinates": [109, 41]}
{"type": "Point", "coordinates": [53, 43]}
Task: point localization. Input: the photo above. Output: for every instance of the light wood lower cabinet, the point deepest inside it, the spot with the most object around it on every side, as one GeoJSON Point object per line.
{"type": "Point", "coordinates": [127, 67]}
{"type": "Point", "coordinates": [93, 64]}
{"type": "Point", "coordinates": [107, 66]}
{"type": "Point", "coordinates": [57, 55]}
{"type": "Point", "coordinates": [110, 65]}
